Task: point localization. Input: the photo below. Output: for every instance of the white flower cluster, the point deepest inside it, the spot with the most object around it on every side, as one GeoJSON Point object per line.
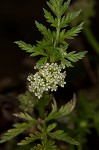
{"type": "Point", "coordinates": [47, 78]}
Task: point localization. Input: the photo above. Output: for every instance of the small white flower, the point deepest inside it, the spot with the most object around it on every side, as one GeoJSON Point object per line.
{"type": "Point", "coordinates": [47, 78]}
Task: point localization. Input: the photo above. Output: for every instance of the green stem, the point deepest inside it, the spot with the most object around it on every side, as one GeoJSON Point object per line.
{"type": "Point", "coordinates": [44, 138]}
{"type": "Point", "coordinates": [58, 26]}
{"type": "Point", "coordinates": [91, 39]}
{"type": "Point", "coordinates": [58, 31]}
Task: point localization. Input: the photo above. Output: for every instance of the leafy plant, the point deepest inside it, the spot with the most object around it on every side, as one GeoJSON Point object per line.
{"type": "Point", "coordinates": [50, 74]}
{"type": "Point", "coordinates": [82, 120]}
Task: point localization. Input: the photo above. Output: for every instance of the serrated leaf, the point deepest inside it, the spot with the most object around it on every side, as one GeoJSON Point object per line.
{"type": "Point", "coordinates": [46, 32]}
{"type": "Point", "coordinates": [67, 63]}
{"type": "Point", "coordinates": [72, 15]}
{"type": "Point", "coordinates": [66, 19]}
{"type": "Point", "coordinates": [74, 31]}
{"type": "Point", "coordinates": [50, 18]}
{"type": "Point", "coordinates": [38, 52]}
{"type": "Point", "coordinates": [62, 37]}
{"type": "Point", "coordinates": [18, 128]}
{"type": "Point", "coordinates": [58, 7]}
{"type": "Point", "coordinates": [63, 111]}
{"type": "Point", "coordinates": [53, 6]}
{"type": "Point", "coordinates": [51, 127]}
{"type": "Point", "coordinates": [25, 116]}
{"type": "Point", "coordinates": [29, 139]}
{"type": "Point", "coordinates": [49, 145]}
{"type": "Point", "coordinates": [40, 48]}
{"type": "Point", "coordinates": [60, 135]}
{"type": "Point", "coordinates": [64, 7]}
{"type": "Point", "coordinates": [27, 47]}
{"type": "Point", "coordinates": [74, 57]}
{"type": "Point", "coordinates": [41, 61]}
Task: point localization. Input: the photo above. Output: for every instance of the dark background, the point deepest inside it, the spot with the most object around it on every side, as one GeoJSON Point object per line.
{"type": "Point", "coordinates": [17, 22]}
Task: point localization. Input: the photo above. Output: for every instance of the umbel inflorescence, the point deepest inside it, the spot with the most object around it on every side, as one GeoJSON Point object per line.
{"type": "Point", "coordinates": [47, 78]}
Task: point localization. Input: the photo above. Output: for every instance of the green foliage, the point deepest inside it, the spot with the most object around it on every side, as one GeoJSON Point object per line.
{"type": "Point", "coordinates": [44, 133]}
{"type": "Point", "coordinates": [27, 47]}
{"type": "Point", "coordinates": [51, 49]}
{"type": "Point", "coordinates": [18, 128]}
{"type": "Point", "coordinates": [73, 32]}
{"type": "Point", "coordinates": [51, 127]}
{"type": "Point", "coordinates": [31, 138]}
{"type": "Point", "coordinates": [63, 111]}
{"type": "Point", "coordinates": [50, 145]}
{"type": "Point", "coordinates": [27, 101]}
{"type": "Point", "coordinates": [41, 105]}
{"type": "Point", "coordinates": [51, 46]}
{"type": "Point", "coordinates": [75, 57]}
{"type": "Point", "coordinates": [72, 57]}
{"type": "Point", "coordinates": [24, 116]}
{"type": "Point", "coordinates": [60, 135]}
{"type": "Point", "coordinates": [82, 119]}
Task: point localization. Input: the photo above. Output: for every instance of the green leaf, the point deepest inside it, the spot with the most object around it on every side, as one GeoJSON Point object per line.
{"type": "Point", "coordinates": [50, 18]}
{"type": "Point", "coordinates": [51, 127]}
{"type": "Point", "coordinates": [74, 57]}
{"type": "Point", "coordinates": [38, 51]}
{"type": "Point", "coordinates": [41, 61]}
{"type": "Point", "coordinates": [41, 105]}
{"type": "Point", "coordinates": [30, 139]}
{"type": "Point", "coordinates": [27, 101]}
{"type": "Point", "coordinates": [66, 19]}
{"type": "Point", "coordinates": [63, 111]}
{"type": "Point", "coordinates": [46, 32]}
{"type": "Point", "coordinates": [60, 135]}
{"type": "Point", "coordinates": [41, 28]}
{"type": "Point", "coordinates": [40, 48]}
{"type": "Point", "coordinates": [72, 15]}
{"type": "Point", "coordinates": [53, 6]}
{"type": "Point", "coordinates": [34, 50]}
{"type": "Point", "coordinates": [74, 31]}
{"type": "Point", "coordinates": [62, 37]}
{"type": "Point", "coordinates": [58, 7]}
{"type": "Point", "coordinates": [49, 145]}
{"type": "Point", "coordinates": [27, 47]}
{"type": "Point", "coordinates": [24, 116]}
{"type": "Point", "coordinates": [67, 63]}
{"type": "Point", "coordinates": [18, 128]}
{"type": "Point", "coordinates": [64, 7]}
{"type": "Point", "coordinates": [54, 54]}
